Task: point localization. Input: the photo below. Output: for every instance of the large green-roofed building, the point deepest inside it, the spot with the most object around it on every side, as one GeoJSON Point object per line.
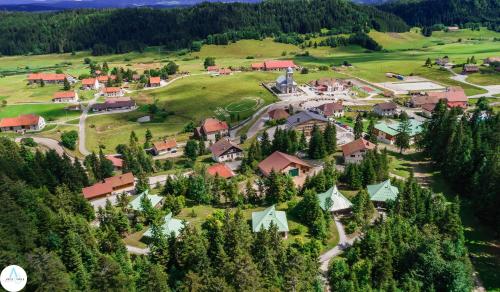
{"type": "Point", "coordinates": [264, 219]}
{"type": "Point", "coordinates": [387, 132]}
{"type": "Point", "coordinates": [170, 226]}
{"type": "Point", "coordinates": [332, 200]}
{"type": "Point", "coordinates": [383, 192]}
{"type": "Point", "coordinates": [135, 204]}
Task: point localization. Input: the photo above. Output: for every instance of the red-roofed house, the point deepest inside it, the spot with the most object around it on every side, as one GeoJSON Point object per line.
{"type": "Point", "coordinates": [284, 163]}
{"type": "Point", "coordinates": [213, 68]}
{"type": "Point", "coordinates": [90, 83]}
{"type": "Point", "coordinates": [257, 66]}
{"type": "Point", "coordinates": [117, 162]}
{"type": "Point", "coordinates": [65, 96]}
{"type": "Point", "coordinates": [22, 123]}
{"type": "Point", "coordinates": [225, 71]}
{"type": "Point", "coordinates": [355, 151]}
{"type": "Point", "coordinates": [109, 189]}
{"type": "Point", "coordinates": [225, 150]}
{"type": "Point", "coordinates": [49, 78]}
{"type": "Point", "coordinates": [221, 169]}
{"type": "Point", "coordinates": [112, 92]}
{"type": "Point", "coordinates": [103, 79]}
{"type": "Point", "coordinates": [164, 147]}
{"type": "Point", "coordinates": [454, 96]}
{"type": "Point", "coordinates": [211, 128]}
{"type": "Point", "coordinates": [279, 65]}
{"type": "Point", "coordinates": [154, 81]}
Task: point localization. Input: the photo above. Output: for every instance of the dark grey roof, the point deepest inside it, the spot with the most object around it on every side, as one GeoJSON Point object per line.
{"type": "Point", "coordinates": [303, 117]}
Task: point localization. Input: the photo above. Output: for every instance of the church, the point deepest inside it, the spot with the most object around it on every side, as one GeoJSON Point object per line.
{"type": "Point", "coordinates": [285, 83]}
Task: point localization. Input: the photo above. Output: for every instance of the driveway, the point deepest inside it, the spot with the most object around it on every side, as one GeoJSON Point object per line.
{"type": "Point", "coordinates": [344, 243]}
{"type": "Point", "coordinates": [47, 142]}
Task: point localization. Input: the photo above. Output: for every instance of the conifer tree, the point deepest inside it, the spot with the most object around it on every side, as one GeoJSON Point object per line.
{"type": "Point", "coordinates": [358, 127]}
{"type": "Point", "coordinates": [317, 149]}
{"type": "Point", "coordinates": [330, 138]}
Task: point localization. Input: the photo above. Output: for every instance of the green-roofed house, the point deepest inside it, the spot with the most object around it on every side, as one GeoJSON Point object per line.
{"type": "Point", "coordinates": [264, 219]}
{"type": "Point", "coordinates": [383, 192]}
{"type": "Point", "coordinates": [155, 200]}
{"type": "Point", "coordinates": [332, 200]}
{"type": "Point", "coordinates": [387, 132]}
{"type": "Point", "coordinates": [170, 226]}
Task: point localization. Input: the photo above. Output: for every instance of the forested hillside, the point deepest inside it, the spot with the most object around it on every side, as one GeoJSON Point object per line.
{"type": "Point", "coordinates": [120, 30]}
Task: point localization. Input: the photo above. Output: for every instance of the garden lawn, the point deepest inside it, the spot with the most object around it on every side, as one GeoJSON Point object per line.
{"type": "Point", "coordinates": [51, 112]}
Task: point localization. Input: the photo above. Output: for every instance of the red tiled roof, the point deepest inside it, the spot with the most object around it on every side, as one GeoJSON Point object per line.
{"type": "Point", "coordinates": [257, 65]}
{"type": "Point", "coordinates": [279, 64]}
{"type": "Point", "coordinates": [211, 125]}
{"type": "Point", "coordinates": [429, 107]}
{"type": "Point", "coordinates": [104, 78]}
{"type": "Point", "coordinates": [88, 81]}
{"type": "Point", "coordinates": [154, 80]}
{"type": "Point", "coordinates": [279, 161]}
{"type": "Point", "coordinates": [119, 181]}
{"type": "Point", "coordinates": [212, 68]}
{"type": "Point", "coordinates": [111, 89]}
{"type": "Point", "coordinates": [97, 190]}
{"type": "Point", "coordinates": [164, 145]}
{"type": "Point", "coordinates": [454, 96]}
{"type": "Point", "coordinates": [225, 71]}
{"type": "Point", "coordinates": [221, 169]}
{"type": "Point", "coordinates": [221, 146]}
{"type": "Point", "coordinates": [329, 108]}
{"type": "Point", "coordinates": [23, 120]}
{"type": "Point", "coordinates": [117, 162]}
{"type": "Point", "coordinates": [278, 114]}
{"type": "Point", "coordinates": [46, 76]}
{"type": "Point", "coordinates": [357, 145]}
{"type": "Point", "coordinates": [64, 94]}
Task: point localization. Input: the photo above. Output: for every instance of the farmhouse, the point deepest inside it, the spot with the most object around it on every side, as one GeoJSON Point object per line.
{"type": "Point", "coordinates": [109, 189]}
{"type": "Point", "coordinates": [103, 79]}
{"type": "Point", "coordinates": [382, 192]}
{"type": "Point", "coordinates": [385, 109]}
{"type": "Point", "coordinates": [355, 151]}
{"type": "Point", "coordinates": [112, 92]}
{"type": "Point", "coordinates": [164, 147]}
{"type": "Point", "coordinates": [274, 65]}
{"type": "Point", "coordinates": [213, 69]}
{"type": "Point", "coordinates": [211, 129]}
{"type": "Point", "coordinates": [90, 84]}
{"type": "Point", "coordinates": [264, 219]}
{"type": "Point", "coordinates": [225, 71]}
{"type": "Point", "coordinates": [225, 150]}
{"type": "Point", "coordinates": [333, 201]}
{"type": "Point", "coordinates": [116, 161]}
{"type": "Point", "coordinates": [136, 204]}
{"type": "Point", "coordinates": [328, 85]}
{"type": "Point", "coordinates": [387, 132]}
{"type": "Point", "coordinates": [65, 96]}
{"type": "Point", "coordinates": [285, 83]}
{"type": "Point", "coordinates": [443, 61]}
{"type": "Point", "coordinates": [304, 122]}
{"type": "Point", "coordinates": [171, 226]}
{"type": "Point", "coordinates": [491, 60]}
{"type": "Point", "coordinates": [114, 104]}
{"type": "Point", "coordinates": [278, 114]}
{"type": "Point", "coordinates": [221, 169]}
{"type": "Point", "coordinates": [154, 81]}
{"type": "Point", "coordinates": [330, 110]}
{"type": "Point", "coordinates": [284, 163]}
{"type": "Point", "coordinates": [470, 68]}
{"type": "Point", "coordinates": [454, 96]}
{"type": "Point", "coordinates": [48, 78]}
{"type": "Point", "coordinates": [22, 123]}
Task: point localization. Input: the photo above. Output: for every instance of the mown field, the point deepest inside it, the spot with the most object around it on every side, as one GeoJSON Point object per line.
{"type": "Point", "coordinates": [51, 112]}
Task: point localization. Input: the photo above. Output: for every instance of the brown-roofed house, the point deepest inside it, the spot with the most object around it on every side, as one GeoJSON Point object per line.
{"type": "Point", "coordinates": [154, 81]}
{"type": "Point", "coordinates": [225, 150]}
{"type": "Point", "coordinates": [355, 151]}
{"type": "Point", "coordinates": [211, 128]}
{"type": "Point", "coordinates": [117, 162]}
{"type": "Point", "coordinates": [427, 109]}
{"type": "Point", "coordinates": [90, 84]}
{"type": "Point", "coordinates": [385, 109]}
{"type": "Point", "coordinates": [112, 92]}
{"type": "Point", "coordinates": [109, 189]}
{"type": "Point", "coordinates": [278, 114]}
{"type": "Point", "coordinates": [454, 97]}
{"type": "Point", "coordinates": [221, 169]}
{"type": "Point", "coordinates": [22, 123]}
{"type": "Point", "coordinates": [284, 163]}
{"type": "Point", "coordinates": [65, 96]}
{"type": "Point", "coordinates": [165, 147]}
{"type": "Point", "coordinates": [470, 68]}
{"type": "Point", "coordinates": [331, 110]}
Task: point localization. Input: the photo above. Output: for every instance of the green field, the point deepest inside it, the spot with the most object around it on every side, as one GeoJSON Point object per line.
{"type": "Point", "coordinates": [50, 112]}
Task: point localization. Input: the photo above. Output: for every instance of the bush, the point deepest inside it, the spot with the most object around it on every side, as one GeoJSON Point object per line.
{"type": "Point", "coordinates": [68, 139]}
{"type": "Point", "coordinates": [138, 227]}
{"type": "Point", "coordinates": [28, 142]}
{"type": "Point", "coordinates": [351, 227]}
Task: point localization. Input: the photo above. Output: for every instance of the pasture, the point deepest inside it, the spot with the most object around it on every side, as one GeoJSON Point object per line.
{"type": "Point", "coordinates": [51, 112]}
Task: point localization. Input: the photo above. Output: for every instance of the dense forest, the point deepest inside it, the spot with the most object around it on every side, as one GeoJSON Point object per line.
{"type": "Point", "coordinates": [121, 30]}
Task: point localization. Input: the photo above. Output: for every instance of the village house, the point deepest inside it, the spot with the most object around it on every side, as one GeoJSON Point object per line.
{"type": "Point", "coordinates": [333, 201]}
{"type": "Point", "coordinates": [171, 226]}
{"type": "Point", "coordinates": [330, 110]}
{"type": "Point", "coordinates": [212, 69]}
{"type": "Point", "coordinates": [90, 84]}
{"type": "Point", "coordinates": [65, 96]}
{"type": "Point", "coordinates": [109, 189]}
{"type": "Point", "coordinates": [112, 92]}
{"type": "Point", "coordinates": [225, 150]}
{"type": "Point", "coordinates": [286, 164]}
{"type": "Point", "coordinates": [491, 60]}
{"type": "Point", "coordinates": [48, 78]}
{"type": "Point", "coordinates": [428, 109]}
{"type": "Point", "coordinates": [443, 61]}
{"type": "Point", "coordinates": [22, 123]}
{"type": "Point", "coordinates": [225, 71]}
{"type": "Point", "coordinates": [222, 170]}
{"type": "Point", "coordinates": [116, 161]}
{"type": "Point", "coordinates": [285, 83]}
{"type": "Point", "coordinates": [154, 81]}
{"type": "Point", "coordinates": [328, 85]}
{"type": "Point", "coordinates": [382, 192]}
{"type": "Point", "coordinates": [355, 151]}
{"type": "Point", "coordinates": [103, 79]}
{"type": "Point", "coordinates": [385, 109]}
{"type": "Point", "coordinates": [454, 97]}
{"type": "Point", "coordinates": [304, 122]}
{"type": "Point", "coordinates": [212, 129]}
{"type": "Point", "coordinates": [387, 132]}
{"type": "Point", "coordinates": [165, 147]}
{"type": "Point", "coordinates": [114, 104]}
{"type": "Point", "coordinates": [470, 68]}
{"type": "Point", "coordinates": [136, 204]}
{"type": "Point", "coordinates": [274, 65]}
{"type": "Point", "coordinates": [278, 114]}
{"type": "Point", "coordinates": [263, 220]}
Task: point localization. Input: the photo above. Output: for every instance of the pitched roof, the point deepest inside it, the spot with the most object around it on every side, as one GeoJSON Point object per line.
{"type": "Point", "coordinates": [278, 114]}
{"type": "Point", "coordinates": [264, 219]}
{"type": "Point", "coordinates": [117, 162]}
{"type": "Point", "coordinates": [111, 89]}
{"type": "Point", "coordinates": [97, 190]}
{"type": "Point", "coordinates": [223, 145]}
{"type": "Point", "coordinates": [452, 94]}
{"type": "Point", "coordinates": [165, 144]}
{"type": "Point", "coordinates": [154, 80]}
{"type": "Point", "coordinates": [279, 161]}
{"type": "Point", "coordinates": [46, 76]}
{"type": "Point", "coordinates": [64, 94]}
{"type": "Point", "coordinates": [329, 109]}
{"type": "Point", "coordinates": [222, 169]}
{"type": "Point", "coordinates": [386, 106]}
{"type": "Point", "coordinates": [212, 68]}
{"type": "Point", "coordinates": [393, 128]}
{"type": "Point", "coordinates": [257, 65]}
{"type": "Point", "coordinates": [121, 180]}
{"type": "Point", "coordinates": [211, 125]}
{"type": "Point", "coordinates": [333, 200]}
{"type": "Point", "coordinates": [418, 100]}
{"type": "Point", "coordinates": [303, 117]}
{"type": "Point", "coordinates": [103, 78]}
{"type": "Point", "coordinates": [279, 64]}
{"type": "Point", "coordinates": [135, 204]}
{"type": "Point", "coordinates": [429, 107]}
{"type": "Point", "coordinates": [23, 120]}
{"type": "Point", "coordinates": [170, 226]}
{"type": "Point", "coordinates": [383, 191]}
{"type": "Point", "coordinates": [225, 71]}
{"type": "Point", "coordinates": [357, 145]}
{"type": "Point", "coordinates": [88, 81]}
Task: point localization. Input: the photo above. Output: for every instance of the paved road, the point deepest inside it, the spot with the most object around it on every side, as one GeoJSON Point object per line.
{"type": "Point", "coordinates": [492, 89]}
{"type": "Point", "coordinates": [136, 250]}
{"type": "Point", "coordinates": [344, 243]}
{"type": "Point", "coordinates": [47, 142]}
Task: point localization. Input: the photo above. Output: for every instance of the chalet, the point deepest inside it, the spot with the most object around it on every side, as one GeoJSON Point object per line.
{"type": "Point", "coordinates": [328, 85]}
{"type": "Point", "coordinates": [284, 163]}
{"type": "Point", "coordinates": [116, 161]}
{"type": "Point", "coordinates": [164, 147]}
{"type": "Point", "coordinates": [114, 104]}
{"type": "Point", "coordinates": [382, 193]}
{"type": "Point", "coordinates": [304, 122]}
{"type": "Point", "coordinates": [103, 79]}
{"type": "Point", "coordinates": [112, 92]}
{"type": "Point", "coordinates": [263, 220]}
{"type": "Point", "coordinates": [171, 226]}
{"type": "Point", "coordinates": [90, 84]}
{"type": "Point", "coordinates": [454, 97]}
{"type": "Point", "coordinates": [213, 69]}
{"type": "Point", "coordinates": [470, 68]}
{"type": "Point", "coordinates": [109, 189]}
{"type": "Point", "coordinates": [330, 110]}
{"type": "Point", "coordinates": [212, 128]}
{"type": "Point", "coordinates": [48, 78]}
{"type": "Point", "coordinates": [278, 114]}
{"type": "Point", "coordinates": [136, 204]}
{"type": "Point", "coordinates": [65, 96]}
{"type": "Point", "coordinates": [387, 132]}
{"type": "Point", "coordinates": [22, 123]}
{"type": "Point", "coordinates": [333, 201]}
{"type": "Point", "coordinates": [274, 65]}
{"type": "Point", "coordinates": [442, 61]}
{"type": "Point", "coordinates": [154, 81]}
{"type": "Point", "coordinates": [222, 170]}
{"type": "Point", "coordinates": [385, 109]}
{"type": "Point", "coordinates": [225, 150]}
{"type": "Point", "coordinates": [285, 83]}
{"type": "Point", "coordinates": [355, 151]}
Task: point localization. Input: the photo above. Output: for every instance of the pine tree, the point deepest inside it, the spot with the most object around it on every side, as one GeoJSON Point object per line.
{"type": "Point", "coordinates": [358, 127]}
{"type": "Point", "coordinates": [265, 144]}
{"type": "Point", "coordinates": [67, 86]}
{"type": "Point", "coordinates": [317, 149]}
{"type": "Point", "coordinates": [148, 138]}
{"type": "Point", "coordinates": [372, 135]}
{"type": "Point", "coordinates": [302, 142]}
{"type": "Point", "coordinates": [428, 62]}
{"type": "Point", "coordinates": [330, 138]}
{"type": "Point", "coordinates": [403, 136]}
